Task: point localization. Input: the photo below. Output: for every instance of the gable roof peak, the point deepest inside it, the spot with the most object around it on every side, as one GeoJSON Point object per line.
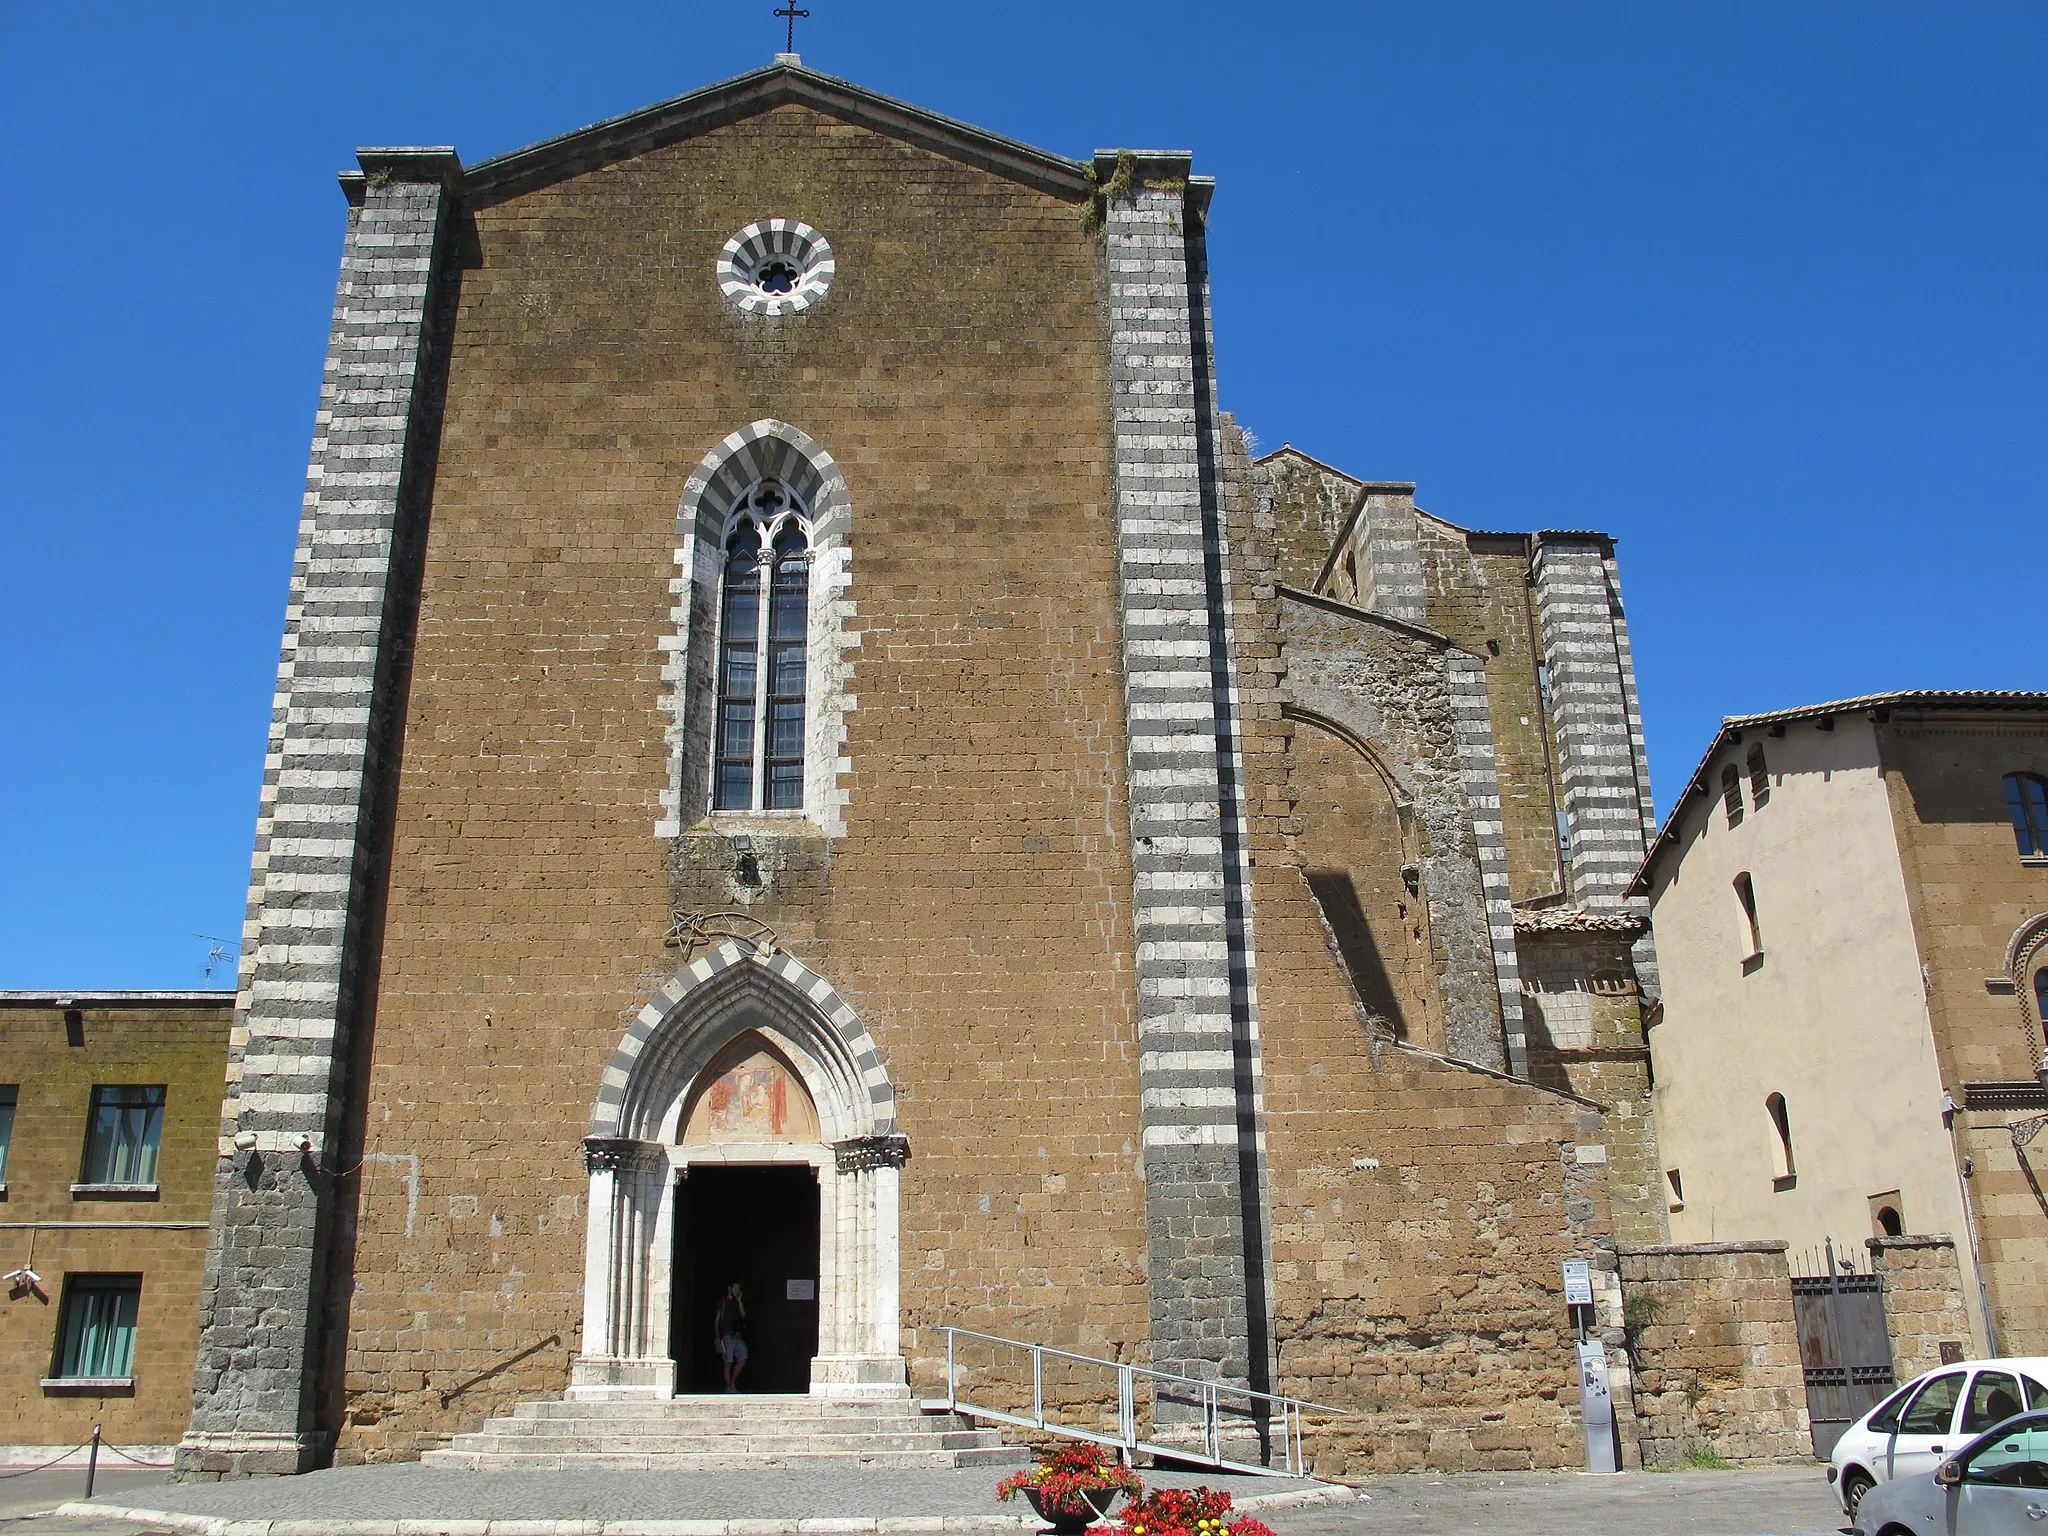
{"type": "Point", "coordinates": [785, 82]}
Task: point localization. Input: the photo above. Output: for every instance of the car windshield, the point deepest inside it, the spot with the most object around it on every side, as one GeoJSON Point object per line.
{"type": "Point", "coordinates": [1935, 1408]}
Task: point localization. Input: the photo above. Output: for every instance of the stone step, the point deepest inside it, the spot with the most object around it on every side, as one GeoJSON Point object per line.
{"type": "Point", "coordinates": [488, 1461]}
{"type": "Point", "coordinates": [709, 1445]}
{"type": "Point", "coordinates": [726, 1430]}
{"type": "Point", "coordinates": [736, 1408]}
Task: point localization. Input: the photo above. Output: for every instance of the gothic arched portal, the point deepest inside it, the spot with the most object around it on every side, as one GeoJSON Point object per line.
{"type": "Point", "coordinates": [739, 1010]}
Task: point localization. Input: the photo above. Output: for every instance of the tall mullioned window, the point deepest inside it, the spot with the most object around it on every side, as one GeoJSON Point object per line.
{"type": "Point", "coordinates": [2026, 799]}
{"type": "Point", "coordinates": [762, 659]}
{"type": "Point", "coordinates": [122, 1139]}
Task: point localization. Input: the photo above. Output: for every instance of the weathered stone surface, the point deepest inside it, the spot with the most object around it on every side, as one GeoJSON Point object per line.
{"type": "Point", "coordinates": [1716, 1352]}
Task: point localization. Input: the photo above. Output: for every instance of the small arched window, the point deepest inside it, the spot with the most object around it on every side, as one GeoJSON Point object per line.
{"type": "Point", "coordinates": [2026, 798]}
{"type": "Point", "coordinates": [1781, 1124]}
{"type": "Point", "coordinates": [2041, 1001]}
{"type": "Point", "coordinates": [762, 666]}
{"type": "Point", "coordinates": [1745, 894]}
{"type": "Point", "coordinates": [1731, 794]}
{"type": "Point", "coordinates": [1889, 1222]}
{"type": "Point", "coordinates": [1759, 777]}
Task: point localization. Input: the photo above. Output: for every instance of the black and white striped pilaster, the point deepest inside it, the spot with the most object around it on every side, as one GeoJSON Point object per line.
{"type": "Point", "coordinates": [1473, 723]}
{"type": "Point", "coordinates": [1598, 728]}
{"type": "Point", "coordinates": [1390, 570]}
{"type": "Point", "coordinates": [1169, 599]}
{"type": "Point", "coordinates": [257, 1348]}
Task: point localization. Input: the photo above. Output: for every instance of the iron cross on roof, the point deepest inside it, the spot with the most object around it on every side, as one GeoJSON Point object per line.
{"type": "Point", "coordinates": [792, 12]}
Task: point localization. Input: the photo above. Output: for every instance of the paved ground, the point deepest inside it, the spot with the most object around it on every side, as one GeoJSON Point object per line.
{"type": "Point", "coordinates": [1753, 1501]}
{"type": "Point", "coordinates": [357, 1500]}
{"type": "Point", "coordinates": [1771, 1501]}
{"type": "Point", "coordinates": [38, 1492]}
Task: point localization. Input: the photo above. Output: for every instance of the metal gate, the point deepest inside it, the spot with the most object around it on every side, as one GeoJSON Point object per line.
{"type": "Point", "coordinates": [1844, 1346]}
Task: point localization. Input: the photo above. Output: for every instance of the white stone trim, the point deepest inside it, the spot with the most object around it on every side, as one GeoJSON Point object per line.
{"type": "Point", "coordinates": [763, 450]}
{"type": "Point", "coordinates": [747, 253]}
{"type": "Point", "coordinates": [628, 1244]}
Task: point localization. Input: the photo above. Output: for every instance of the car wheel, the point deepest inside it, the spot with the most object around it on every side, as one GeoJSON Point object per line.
{"type": "Point", "coordinates": [1854, 1486]}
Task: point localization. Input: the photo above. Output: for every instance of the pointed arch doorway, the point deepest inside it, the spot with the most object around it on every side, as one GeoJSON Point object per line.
{"type": "Point", "coordinates": [745, 1129]}
{"type": "Point", "coordinates": [747, 1214]}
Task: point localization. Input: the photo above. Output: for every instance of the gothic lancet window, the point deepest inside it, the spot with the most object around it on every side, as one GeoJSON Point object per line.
{"type": "Point", "coordinates": [762, 666]}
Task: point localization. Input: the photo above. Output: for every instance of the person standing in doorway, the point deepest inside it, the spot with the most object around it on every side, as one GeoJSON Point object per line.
{"type": "Point", "coordinates": [731, 1329]}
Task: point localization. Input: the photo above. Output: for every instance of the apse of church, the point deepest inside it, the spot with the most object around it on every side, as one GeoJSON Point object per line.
{"type": "Point", "coordinates": [803, 727]}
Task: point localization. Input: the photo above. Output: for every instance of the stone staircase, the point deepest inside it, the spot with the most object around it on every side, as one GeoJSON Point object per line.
{"type": "Point", "coordinates": [707, 1432]}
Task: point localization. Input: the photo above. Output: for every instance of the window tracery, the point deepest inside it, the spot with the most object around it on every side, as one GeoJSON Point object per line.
{"type": "Point", "coordinates": [762, 653]}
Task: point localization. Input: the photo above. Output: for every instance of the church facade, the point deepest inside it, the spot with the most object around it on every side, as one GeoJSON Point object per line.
{"type": "Point", "coordinates": [808, 750]}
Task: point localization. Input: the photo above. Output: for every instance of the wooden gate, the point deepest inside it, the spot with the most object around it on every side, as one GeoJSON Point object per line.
{"type": "Point", "coordinates": [1844, 1346]}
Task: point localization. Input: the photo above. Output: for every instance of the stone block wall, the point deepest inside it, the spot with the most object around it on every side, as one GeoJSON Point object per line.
{"type": "Point", "coordinates": [1420, 1207]}
{"type": "Point", "coordinates": [1715, 1351]}
{"type": "Point", "coordinates": [1923, 1299]}
{"type": "Point", "coordinates": [976, 911]}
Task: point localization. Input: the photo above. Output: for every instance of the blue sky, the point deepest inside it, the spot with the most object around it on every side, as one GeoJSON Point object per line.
{"type": "Point", "coordinates": [1756, 288]}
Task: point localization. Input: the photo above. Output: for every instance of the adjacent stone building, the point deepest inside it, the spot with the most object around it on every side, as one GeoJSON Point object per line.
{"type": "Point", "coordinates": [807, 747]}
{"type": "Point", "coordinates": [108, 1104]}
{"type": "Point", "coordinates": [1851, 903]}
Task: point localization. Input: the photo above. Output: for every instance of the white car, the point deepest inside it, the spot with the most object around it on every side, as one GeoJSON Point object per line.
{"type": "Point", "coordinates": [1931, 1417]}
{"type": "Point", "coordinates": [1997, 1485]}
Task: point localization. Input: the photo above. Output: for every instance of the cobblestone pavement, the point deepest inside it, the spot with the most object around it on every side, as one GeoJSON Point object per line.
{"type": "Point", "coordinates": [1751, 1501]}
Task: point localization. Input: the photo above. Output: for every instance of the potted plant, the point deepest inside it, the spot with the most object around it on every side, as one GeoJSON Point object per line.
{"type": "Point", "coordinates": [1072, 1487]}
{"type": "Point", "coordinates": [1185, 1512]}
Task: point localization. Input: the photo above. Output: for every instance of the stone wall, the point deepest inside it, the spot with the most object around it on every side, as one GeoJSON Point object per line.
{"type": "Point", "coordinates": [1311, 503]}
{"type": "Point", "coordinates": [976, 912]}
{"type": "Point", "coordinates": [1420, 1207]}
{"type": "Point", "coordinates": [1923, 1300]}
{"type": "Point", "coordinates": [1715, 1351]}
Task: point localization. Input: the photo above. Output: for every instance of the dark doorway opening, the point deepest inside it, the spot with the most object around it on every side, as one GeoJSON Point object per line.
{"type": "Point", "coordinates": [758, 1226]}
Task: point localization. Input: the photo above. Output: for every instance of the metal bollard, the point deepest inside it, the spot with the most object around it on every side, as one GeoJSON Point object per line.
{"type": "Point", "coordinates": [92, 1461]}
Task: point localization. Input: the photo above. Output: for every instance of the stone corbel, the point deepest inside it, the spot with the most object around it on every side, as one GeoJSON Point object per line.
{"type": "Point", "coordinates": [858, 1154]}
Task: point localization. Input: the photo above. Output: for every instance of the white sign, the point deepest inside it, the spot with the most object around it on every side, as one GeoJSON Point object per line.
{"type": "Point", "coordinates": [800, 1290]}
{"type": "Point", "coordinates": [1578, 1283]}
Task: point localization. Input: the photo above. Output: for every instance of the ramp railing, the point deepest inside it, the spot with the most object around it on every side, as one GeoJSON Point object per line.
{"type": "Point", "coordinates": [1219, 1425]}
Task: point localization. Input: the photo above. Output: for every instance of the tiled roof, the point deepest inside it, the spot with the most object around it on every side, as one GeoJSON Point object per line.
{"type": "Point", "coordinates": [1912, 698]}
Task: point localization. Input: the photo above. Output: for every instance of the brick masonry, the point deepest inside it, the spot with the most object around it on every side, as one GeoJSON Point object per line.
{"type": "Point", "coordinates": [1716, 1352]}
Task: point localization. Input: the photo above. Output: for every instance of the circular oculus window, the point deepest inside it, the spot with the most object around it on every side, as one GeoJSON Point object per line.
{"type": "Point", "coordinates": [776, 267]}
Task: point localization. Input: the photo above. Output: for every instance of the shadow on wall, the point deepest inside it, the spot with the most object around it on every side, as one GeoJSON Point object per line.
{"type": "Point", "coordinates": [1546, 1069]}
{"type": "Point", "coordinates": [1345, 914]}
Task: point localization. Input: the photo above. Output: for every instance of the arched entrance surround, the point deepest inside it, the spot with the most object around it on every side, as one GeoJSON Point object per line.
{"type": "Point", "coordinates": [635, 1153]}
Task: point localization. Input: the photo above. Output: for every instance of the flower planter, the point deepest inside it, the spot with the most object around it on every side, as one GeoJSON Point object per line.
{"type": "Point", "coordinates": [1100, 1502]}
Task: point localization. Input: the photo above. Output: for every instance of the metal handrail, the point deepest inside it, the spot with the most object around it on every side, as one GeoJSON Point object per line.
{"type": "Point", "coordinates": [1210, 1394]}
